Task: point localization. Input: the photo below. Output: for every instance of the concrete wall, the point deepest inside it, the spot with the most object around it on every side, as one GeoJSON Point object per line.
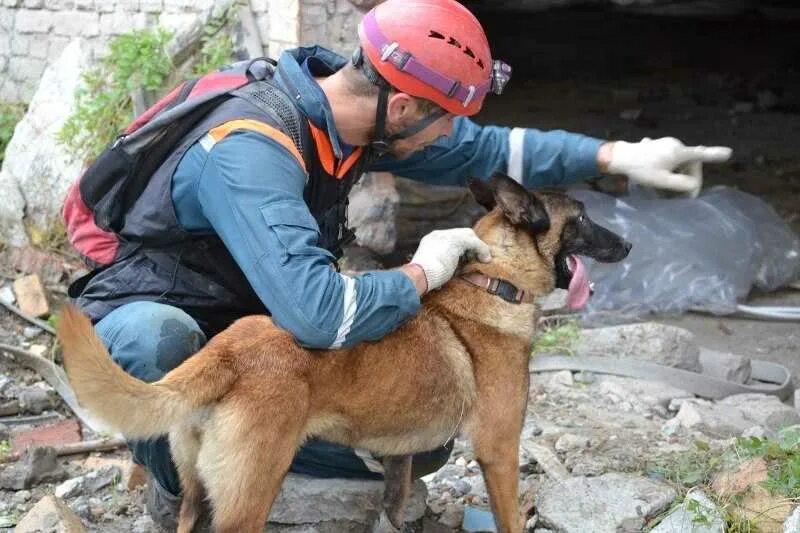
{"type": "Point", "coordinates": [32, 32]}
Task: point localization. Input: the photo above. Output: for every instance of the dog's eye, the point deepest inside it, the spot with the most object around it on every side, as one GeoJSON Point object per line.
{"type": "Point", "coordinates": [582, 219]}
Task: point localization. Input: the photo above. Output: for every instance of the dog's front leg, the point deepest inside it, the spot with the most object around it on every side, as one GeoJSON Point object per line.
{"type": "Point", "coordinates": [397, 485]}
{"type": "Point", "coordinates": [495, 438]}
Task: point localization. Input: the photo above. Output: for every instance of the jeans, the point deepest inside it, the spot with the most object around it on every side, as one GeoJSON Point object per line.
{"type": "Point", "coordinates": [149, 339]}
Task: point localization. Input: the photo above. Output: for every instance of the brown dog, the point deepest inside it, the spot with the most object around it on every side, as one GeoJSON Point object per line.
{"type": "Point", "coordinates": [238, 409]}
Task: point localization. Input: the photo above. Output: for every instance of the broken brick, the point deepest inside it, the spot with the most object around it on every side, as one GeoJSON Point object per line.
{"type": "Point", "coordinates": [64, 432]}
{"type": "Point", "coordinates": [31, 296]}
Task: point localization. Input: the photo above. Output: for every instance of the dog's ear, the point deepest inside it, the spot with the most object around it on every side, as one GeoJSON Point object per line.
{"type": "Point", "coordinates": [483, 194]}
{"type": "Point", "coordinates": [519, 206]}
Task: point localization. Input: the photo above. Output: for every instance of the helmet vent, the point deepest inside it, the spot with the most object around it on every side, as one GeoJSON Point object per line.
{"type": "Point", "coordinates": [453, 42]}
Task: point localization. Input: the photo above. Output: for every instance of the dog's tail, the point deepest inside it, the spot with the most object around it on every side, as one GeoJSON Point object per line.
{"type": "Point", "coordinates": [137, 409]}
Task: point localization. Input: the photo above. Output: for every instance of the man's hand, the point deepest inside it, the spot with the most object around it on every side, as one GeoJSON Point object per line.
{"type": "Point", "coordinates": [653, 162]}
{"type": "Point", "coordinates": [438, 254]}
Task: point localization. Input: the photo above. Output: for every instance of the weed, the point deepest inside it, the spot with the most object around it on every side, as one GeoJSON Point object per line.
{"type": "Point", "coordinates": [217, 44]}
{"type": "Point", "coordinates": [10, 115]}
{"type": "Point", "coordinates": [103, 103]}
{"type": "Point", "coordinates": [5, 449]}
{"type": "Point", "coordinates": [559, 338]}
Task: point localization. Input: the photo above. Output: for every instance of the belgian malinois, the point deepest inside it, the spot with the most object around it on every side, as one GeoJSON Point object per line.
{"type": "Point", "coordinates": [237, 410]}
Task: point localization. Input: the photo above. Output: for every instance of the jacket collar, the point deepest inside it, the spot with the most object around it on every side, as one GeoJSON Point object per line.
{"type": "Point", "coordinates": [306, 93]}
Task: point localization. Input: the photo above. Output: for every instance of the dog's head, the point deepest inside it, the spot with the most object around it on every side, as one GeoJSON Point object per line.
{"type": "Point", "coordinates": [536, 238]}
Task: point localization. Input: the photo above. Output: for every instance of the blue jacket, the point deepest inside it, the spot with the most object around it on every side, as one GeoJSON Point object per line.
{"type": "Point", "coordinates": [248, 189]}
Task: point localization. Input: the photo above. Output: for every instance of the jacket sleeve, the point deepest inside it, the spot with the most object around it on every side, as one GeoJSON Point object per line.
{"type": "Point", "coordinates": [251, 192]}
{"type": "Point", "coordinates": [536, 158]}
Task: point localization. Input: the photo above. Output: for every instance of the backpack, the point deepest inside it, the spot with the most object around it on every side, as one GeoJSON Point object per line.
{"type": "Point", "coordinates": [95, 206]}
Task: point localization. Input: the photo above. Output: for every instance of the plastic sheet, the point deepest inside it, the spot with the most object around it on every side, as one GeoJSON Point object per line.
{"type": "Point", "coordinates": [706, 252]}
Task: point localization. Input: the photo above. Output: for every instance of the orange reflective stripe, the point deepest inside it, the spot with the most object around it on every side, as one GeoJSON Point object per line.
{"type": "Point", "coordinates": [223, 130]}
{"type": "Point", "coordinates": [349, 162]}
{"type": "Point", "coordinates": [324, 148]}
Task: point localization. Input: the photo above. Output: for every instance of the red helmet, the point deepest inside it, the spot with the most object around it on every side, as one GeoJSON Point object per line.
{"type": "Point", "coordinates": [433, 49]}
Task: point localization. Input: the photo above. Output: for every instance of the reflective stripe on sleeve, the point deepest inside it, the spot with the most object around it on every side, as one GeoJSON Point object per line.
{"type": "Point", "coordinates": [516, 153]}
{"type": "Point", "coordinates": [349, 307]}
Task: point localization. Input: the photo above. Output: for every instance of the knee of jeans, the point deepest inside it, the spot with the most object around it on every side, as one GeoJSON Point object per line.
{"type": "Point", "coordinates": [149, 339]}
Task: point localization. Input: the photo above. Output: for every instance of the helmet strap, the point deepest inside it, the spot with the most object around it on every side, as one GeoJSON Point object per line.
{"type": "Point", "coordinates": [382, 142]}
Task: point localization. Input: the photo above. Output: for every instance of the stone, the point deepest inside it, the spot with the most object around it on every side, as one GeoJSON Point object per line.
{"type": "Point", "coordinates": [746, 475]}
{"type": "Point", "coordinates": [50, 514]}
{"type": "Point", "coordinates": [571, 442]}
{"type": "Point", "coordinates": [763, 409]}
{"type": "Point", "coordinates": [545, 457]}
{"type": "Point", "coordinates": [768, 511]}
{"type": "Point", "coordinates": [37, 169]}
{"type": "Point", "coordinates": [33, 21]}
{"type": "Point", "coordinates": [21, 496]}
{"type": "Point", "coordinates": [34, 400]}
{"type": "Point", "coordinates": [31, 296]}
{"type": "Point", "coordinates": [792, 524]}
{"type": "Point", "coordinates": [726, 366]}
{"type": "Point", "coordinates": [131, 475]}
{"type": "Point", "coordinates": [605, 504]}
{"type": "Point", "coordinates": [70, 488]}
{"type": "Point", "coordinates": [5, 433]}
{"type": "Point", "coordinates": [712, 419]}
{"type": "Point", "coordinates": [38, 465]}
{"type": "Point", "coordinates": [31, 332]}
{"type": "Point", "coordinates": [144, 524]}
{"type": "Point", "coordinates": [372, 211]}
{"type": "Point", "coordinates": [697, 514]}
{"type": "Point", "coordinates": [304, 500]}
{"type": "Point", "coordinates": [649, 341]}
{"type": "Point", "coordinates": [643, 395]}
{"type": "Point", "coordinates": [452, 515]}
{"type": "Point", "coordinates": [7, 294]}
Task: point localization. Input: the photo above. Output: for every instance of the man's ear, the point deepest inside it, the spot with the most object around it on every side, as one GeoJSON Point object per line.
{"type": "Point", "coordinates": [483, 194]}
{"type": "Point", "coordinates": [519, 206]}
{"type": "Point", "coordinates": [400, 107]}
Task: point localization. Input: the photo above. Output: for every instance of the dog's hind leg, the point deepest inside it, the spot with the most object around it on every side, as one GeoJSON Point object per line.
{"type": "Point", "coordinates": [397, 485]}
{"type": "Point", "coordinates": [247, 448]}
{"type": "Point", "coordinates": [184, 446]}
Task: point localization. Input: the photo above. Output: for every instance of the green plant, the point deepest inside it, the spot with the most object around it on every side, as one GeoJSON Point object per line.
{"type": "Point", "coordinates": [104, 106]}
{"type": "Point", "coordinates": [5, 448]}
{"type": "Point", "coordinates": [10, 114]}
{"type": "Point", "coordinates": [559, 338]}
{"type": "Point", "coordinates": [783, 460]}
{"type": "Point", "coordinates": [217, 44]}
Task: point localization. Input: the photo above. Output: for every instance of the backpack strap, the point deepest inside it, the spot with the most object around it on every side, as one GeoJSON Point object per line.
{"type": "Point", "coordinates": [218, 133]}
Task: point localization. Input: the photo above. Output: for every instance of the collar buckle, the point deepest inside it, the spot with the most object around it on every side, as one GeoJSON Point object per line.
{"type": "Point", "coordinates": [504, 290]}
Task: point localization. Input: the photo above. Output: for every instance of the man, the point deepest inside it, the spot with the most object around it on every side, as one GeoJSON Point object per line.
{"type": "Point", "coordinates": [248, 215]}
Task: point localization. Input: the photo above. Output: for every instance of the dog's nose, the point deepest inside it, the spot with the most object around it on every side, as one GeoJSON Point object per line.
{"type": "Point", "coordinates": [628, 246]}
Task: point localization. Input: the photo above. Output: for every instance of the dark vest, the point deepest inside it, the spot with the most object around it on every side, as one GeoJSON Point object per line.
{"type": "Point", "coordinates": [194, 272]}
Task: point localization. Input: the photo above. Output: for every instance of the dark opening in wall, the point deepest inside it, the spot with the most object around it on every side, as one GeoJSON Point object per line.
{"type": "Point", "coordinates": [731, 80]}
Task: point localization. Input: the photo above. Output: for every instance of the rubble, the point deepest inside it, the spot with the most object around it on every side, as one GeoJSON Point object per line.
{"type": "Point", "coordinates": [50, 514]}
{"type": "Point", "coordinates": [605, 504]}
{"type": "Point", "coordinates": [697, 514]}
{"type": "Point", "coordinates": [38, 465]}
{"type": "Point", "coordinates": [31, 296]}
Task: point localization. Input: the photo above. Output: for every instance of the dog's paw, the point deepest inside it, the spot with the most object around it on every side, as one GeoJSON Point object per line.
{"type": "Point", "coordinates": [384, 525]}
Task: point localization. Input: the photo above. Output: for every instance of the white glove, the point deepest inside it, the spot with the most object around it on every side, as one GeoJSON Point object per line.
{"type": "Point", "coordinates": [653, 162]}
{"type": "Point", "coordinates": [439, 251]}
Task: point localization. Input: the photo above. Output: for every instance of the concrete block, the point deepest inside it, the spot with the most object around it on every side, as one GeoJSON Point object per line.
{"type": "Point", "coordinates": [33, 21]}
{"type": "Point", "coordinates": [74, 23]}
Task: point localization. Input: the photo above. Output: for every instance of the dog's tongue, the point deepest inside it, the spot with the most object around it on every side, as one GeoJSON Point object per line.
{"type": "Point", "coordinates": [579, 289]}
